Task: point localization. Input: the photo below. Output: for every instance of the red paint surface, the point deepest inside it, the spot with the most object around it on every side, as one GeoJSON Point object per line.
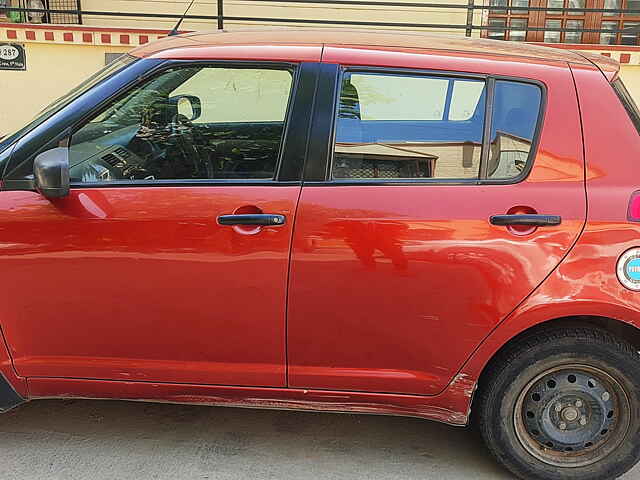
{"type": "Point", "coordinates": [416, 275]}
{"type": "Point", "coordinates": [87, 37]}
{"type": "Point", "coordinates": [143, 284]}
{"type": "Point", "coordinates": [434, 408]}
{"type": "Point", "coordinates": [48, 36]}
{"type": "Point", "coordinates": [402, 293]}
{"type": "Point", "coordinates": [586, 283]}
{"type": "Point", "coordinates": [67, 37]}
{"type": "Point", "coordinates": [30, 35]}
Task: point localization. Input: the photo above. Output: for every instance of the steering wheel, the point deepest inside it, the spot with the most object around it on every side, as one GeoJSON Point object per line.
{"type": "Point", "coordinates": [182, 131]}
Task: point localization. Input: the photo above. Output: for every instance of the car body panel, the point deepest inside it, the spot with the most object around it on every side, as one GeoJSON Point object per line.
{"type": "Point", "coordinates": [446, 409]}
{"type": "Point", "coordinates": [143, 284]}
{"type": "Point", "coordinates": [416, 358]}
{"type": "Point", "coordinates": [266, 37]}
{"type": "Point", "coordinates": [416, 284]}
{"type": "Point", "coordinates": [289, 53]}
{"type": "Point", "coordinates": [585, 287]}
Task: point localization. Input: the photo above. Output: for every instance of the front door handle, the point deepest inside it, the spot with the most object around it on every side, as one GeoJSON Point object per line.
{"type": "Point", "coordinates": [527, 219]}
{"type": "Point", "coordinates": [263, 220]}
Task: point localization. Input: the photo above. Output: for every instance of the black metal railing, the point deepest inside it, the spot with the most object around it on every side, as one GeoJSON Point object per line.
{"type": "Point", "coordinates": [71, 12]}
{"type": "Point", "coordinates": [68, 12]}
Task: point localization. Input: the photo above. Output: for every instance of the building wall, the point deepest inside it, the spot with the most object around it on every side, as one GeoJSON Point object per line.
{"type": "Point", "coordinates": [631, 77]}
{"type": "Point", "coordinates": [271, 10]}
{"type": "Point", "coordinates": [60, 57]}
{"type": "Point", "coordinates": [52, 71]}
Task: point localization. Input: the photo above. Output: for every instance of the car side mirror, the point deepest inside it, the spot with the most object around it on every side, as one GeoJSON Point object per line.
{"type": "Point", "coordinates": [188, 106]}
{"type": "Point", "coordinates": [51, 173]}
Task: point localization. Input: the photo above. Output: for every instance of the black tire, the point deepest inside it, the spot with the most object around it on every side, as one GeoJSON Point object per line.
{"type": "Point", "coordinates": [563, 403]}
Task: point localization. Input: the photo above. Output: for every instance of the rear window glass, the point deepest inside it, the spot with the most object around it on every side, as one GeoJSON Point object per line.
{"type": "Point", "coordinates": [411, 126]}
{"type": "Point", "coordinates": [628, 102]}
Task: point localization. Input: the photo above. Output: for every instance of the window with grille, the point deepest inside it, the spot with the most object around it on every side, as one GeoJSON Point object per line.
{"type": "Point", "coordinates": [511, 24]}
{"type": "Point", "coordinates": [61, 7]}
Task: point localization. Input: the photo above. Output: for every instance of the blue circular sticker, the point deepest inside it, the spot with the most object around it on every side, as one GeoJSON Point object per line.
{"type": "Point", "coordinates": [628, 269]}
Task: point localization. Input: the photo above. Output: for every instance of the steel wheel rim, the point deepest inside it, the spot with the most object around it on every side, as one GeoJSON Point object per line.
{"type": "Point", "coordinates": [572, 415]}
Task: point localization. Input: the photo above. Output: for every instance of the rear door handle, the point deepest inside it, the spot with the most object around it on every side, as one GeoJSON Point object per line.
{"type": "Point", "coordinates": [265, 220]}
{"type": "Point", "coordinates": [530, 220]}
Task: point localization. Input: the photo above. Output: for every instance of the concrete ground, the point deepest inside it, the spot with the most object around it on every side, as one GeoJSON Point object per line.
{"type": "Point", "coordinates": [101, 440]}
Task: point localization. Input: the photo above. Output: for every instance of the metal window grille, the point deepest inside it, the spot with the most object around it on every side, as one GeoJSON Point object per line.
{"type": "Point", "coordinates": [73, 6]}
{"type": "Point", "coordinates": [608, 22]}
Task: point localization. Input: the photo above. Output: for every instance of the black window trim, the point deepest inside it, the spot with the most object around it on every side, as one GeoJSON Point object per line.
{"type": "Point", "coordinates": [291, 67]}
{"type": "Point", "coordinates": [295, 132]}
{"type": "Point", "coordinates": [490, 80]}
{"type": "Point", "coordinates": [627, 101]}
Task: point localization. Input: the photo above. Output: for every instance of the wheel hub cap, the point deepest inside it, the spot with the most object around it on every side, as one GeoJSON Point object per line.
{"type": "Point", "coordinates": [569, 415]}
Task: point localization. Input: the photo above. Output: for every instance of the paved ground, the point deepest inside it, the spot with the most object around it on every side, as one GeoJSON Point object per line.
{"type": "Point", "coordinates": [68, 440]}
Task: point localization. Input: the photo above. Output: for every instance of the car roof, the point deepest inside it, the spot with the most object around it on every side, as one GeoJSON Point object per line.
{"type": "Point", "coordinates": [362, 38]}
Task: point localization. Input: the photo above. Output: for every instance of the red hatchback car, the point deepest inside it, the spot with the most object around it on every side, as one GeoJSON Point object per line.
{"type": "Point", "coordinates": [387, 223]}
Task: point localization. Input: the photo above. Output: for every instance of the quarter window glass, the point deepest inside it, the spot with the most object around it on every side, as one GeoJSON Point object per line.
{"type": "Point", "coordinates": [188, 123]}
{"type": "Point", "coordinates": [406, 126]}
{"type": "Point", "coordinates": [515, 116]}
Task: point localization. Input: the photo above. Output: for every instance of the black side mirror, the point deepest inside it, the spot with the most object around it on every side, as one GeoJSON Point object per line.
{"type": "Point", "coordinates": [189, 106]}
{"type": "Point", "coordinates": [51, 173]}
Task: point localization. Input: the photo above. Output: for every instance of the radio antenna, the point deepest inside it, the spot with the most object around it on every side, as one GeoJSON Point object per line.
{"type": "Point", "coordinates": [175, 29]}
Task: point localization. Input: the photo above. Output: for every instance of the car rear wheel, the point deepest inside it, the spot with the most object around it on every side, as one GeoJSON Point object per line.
{"type": "Point", "coordinates": [563, 403]}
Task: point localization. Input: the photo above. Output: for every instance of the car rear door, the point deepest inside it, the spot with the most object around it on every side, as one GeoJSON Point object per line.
{"type": "Point", "coordinates": [168, 261]}
{"type": "Point", "coordinates": [408, 248]}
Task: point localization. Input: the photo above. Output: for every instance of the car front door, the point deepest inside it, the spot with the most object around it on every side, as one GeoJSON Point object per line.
{"type": "Point", "coordinates": [408, 249]}
{"type": "Point", "coordinates": [168, 261]}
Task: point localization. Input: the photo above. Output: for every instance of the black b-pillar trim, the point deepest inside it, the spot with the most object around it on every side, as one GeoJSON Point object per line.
{"type": "Point", "coordinates": [299, 123]}
{"type": "Point", "coordinates": [324, 111]}
{"type": "Point", "coordinates": [9, 398]}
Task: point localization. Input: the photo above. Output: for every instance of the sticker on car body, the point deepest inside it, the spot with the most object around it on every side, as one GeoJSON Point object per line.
{"type": "Point", "coordinates": [628, 269]}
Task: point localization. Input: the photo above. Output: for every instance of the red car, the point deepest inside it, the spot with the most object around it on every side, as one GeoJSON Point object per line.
{"type": "Point", "coordinates": [386, 223]}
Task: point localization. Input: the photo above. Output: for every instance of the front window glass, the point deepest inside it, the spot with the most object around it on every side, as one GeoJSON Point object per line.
{"type": "Point", "coordinates": [408, 126]}
{"type": "Point", "coordinates": [61, 102]}
{"type": "Point", "coordinates": [196, 122]}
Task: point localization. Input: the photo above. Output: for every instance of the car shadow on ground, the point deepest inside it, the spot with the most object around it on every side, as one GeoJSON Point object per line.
{"type": "Point", "coordinates": [96, 440]}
